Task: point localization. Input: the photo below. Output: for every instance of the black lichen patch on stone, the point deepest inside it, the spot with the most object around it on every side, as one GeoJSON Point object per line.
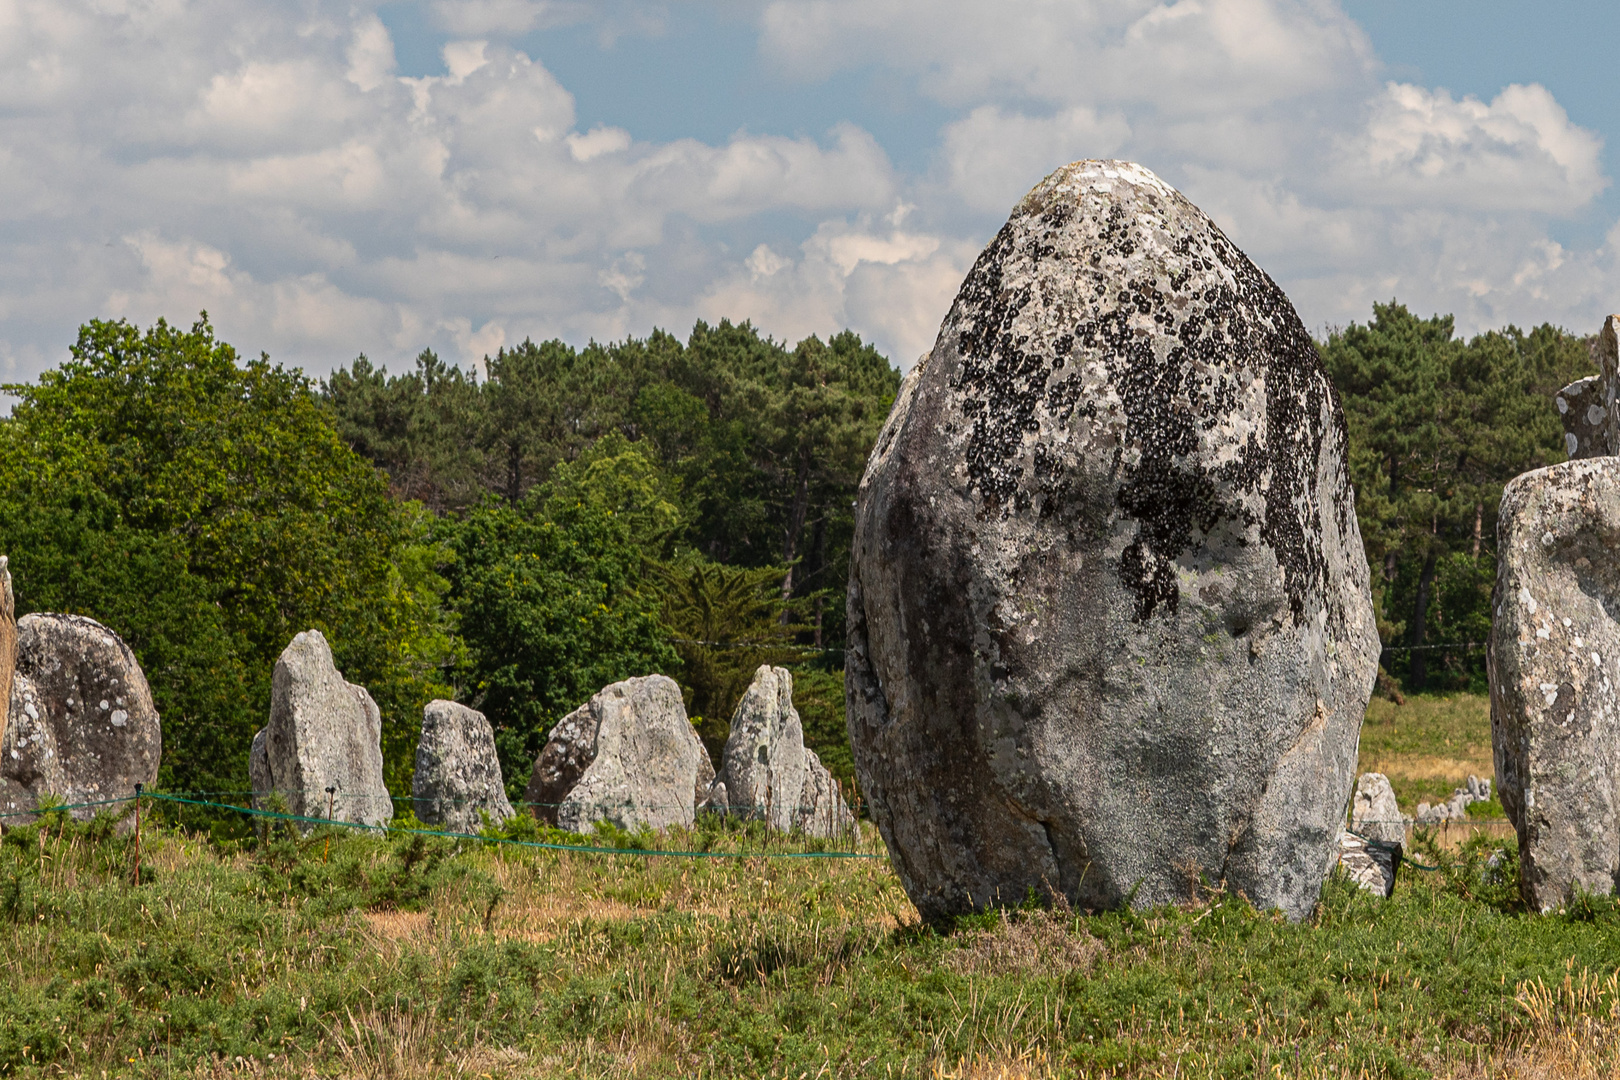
{"type": "Point", "coordinates": [1179, 337]}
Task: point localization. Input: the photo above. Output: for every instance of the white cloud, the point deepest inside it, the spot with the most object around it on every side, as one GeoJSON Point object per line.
{"type": "Point", "coordinates": [755, 173]}
{"type": "Point", "coordinates": [892, 283]}
{"type": "Point", "coordinates": [995, 156]}
{"type": "Point", "coordinates": [1189, 56]}
{"type": "Point", "coordinates": [1519, 153]}
{"type": "Point", "coordinates": [266, 161]}
{"type": "Point", "coordinates": [371, 54]}
{"type": "Point", "coordinates": [472, 17]}
{"type": "Point", "coordinates": [1268, 113]}
{"type": "Point", "coordinates": [267, 164]}
{"type": "Point", "coordinates": [598, 141]}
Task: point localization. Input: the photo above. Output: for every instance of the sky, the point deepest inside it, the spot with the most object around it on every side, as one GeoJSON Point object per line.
{"type": "Point", "coordinates": [327, 179]}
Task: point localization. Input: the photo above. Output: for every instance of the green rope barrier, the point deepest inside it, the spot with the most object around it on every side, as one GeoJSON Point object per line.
{"type": "Point", "coordinates": [586, 849]}
{"type": "Point", "coordinates": [40, 811]}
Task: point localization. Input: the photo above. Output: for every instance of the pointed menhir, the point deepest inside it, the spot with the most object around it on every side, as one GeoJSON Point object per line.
{"type": "Point", "coordinates": [1109, 621]}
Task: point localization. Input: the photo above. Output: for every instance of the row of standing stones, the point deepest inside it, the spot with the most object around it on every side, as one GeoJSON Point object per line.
{"type": "Point", "coordinates": [80, 726]}
{"type": "Point", "coordinates": [1109, 621]}
{"type": "Point", "coordinates": [629, 756]}
{"type": "Point", "coordinates": [1110, 630]}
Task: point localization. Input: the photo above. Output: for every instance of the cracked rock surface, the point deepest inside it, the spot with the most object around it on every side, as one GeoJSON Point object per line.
{"type": "Point", "coordinates": [457, 778]}
{"type": "Point", "coordinates": [82, 725]}
{"type": "Point", "coordinates": [768, 773]}
{"type": "Point", "coordinates": [629, 756]}
{"type": "Point", "coordinates": [1109, 620]}
{"type": "Point", "coordinates": [323, 732]}
{"type": "Point", "coordinates": [1555, 664]}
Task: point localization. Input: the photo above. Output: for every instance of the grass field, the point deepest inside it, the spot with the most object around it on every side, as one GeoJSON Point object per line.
{"type": "Point", "coordinates": [342, 954]}
{"type": "Point", "coordinates": [1427, 746]}
{"type": "Point", "coordinates": [354, 956]}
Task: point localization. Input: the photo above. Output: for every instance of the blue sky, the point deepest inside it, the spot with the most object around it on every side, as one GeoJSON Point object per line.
{"type": "Point", "coordinates": [330, 179]}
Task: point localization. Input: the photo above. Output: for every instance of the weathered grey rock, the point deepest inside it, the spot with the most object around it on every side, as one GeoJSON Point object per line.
{"type": "Point", "coordinates": [1375, 814]}
{"type": "Point", "coordinates": [323, 732]}
{"type": "Point", "coordinates": [30, 764]}
{"type": "Point", "coordinates": [1608, 347]}
{"type": "Point", "coordinates": [1370, 865]}
{"type": "Point", "coordinates": [1587, 406]}
{"type": "Point", "coordinates": [82, 724]}
{"type": "Point", "coordinates": [1554, 665]}
{"type": "Point", "coordinates": [629, 756]}
{"type": "Point", "coordinates": [766, 771]}
{"type": "Point", "coordinates": [1585, 416]}
{"type": "Point", "coordinates": [458, 774]}
{"type": "Point", "coordinates": [822, 811]}
{"type": "Point", "coordinates": [1455, 808]}
{"type": "Point", "coordinates": [1109, 621]}
{"type": "Point", "coordinates": [717, 799]}
{"type": "Point", "coordinates": [8, 643]}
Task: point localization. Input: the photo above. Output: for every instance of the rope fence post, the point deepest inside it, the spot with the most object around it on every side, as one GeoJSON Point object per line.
{"type": "Point", "coordinates": [331, 795]}
{"type": "Point", "coordinates": [138, 787]}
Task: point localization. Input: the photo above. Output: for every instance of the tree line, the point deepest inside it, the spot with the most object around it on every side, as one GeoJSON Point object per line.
{"type": "Point", "coordinates": [1438, 425]}
{"type": "Point", "coordinates": [517, 537]}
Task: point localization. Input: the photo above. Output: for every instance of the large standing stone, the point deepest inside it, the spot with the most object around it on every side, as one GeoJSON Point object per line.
{"type": "Point", "coordinates": [8, 643]}
{"type": "Point", "coordinates": [1554, 668]}
{"type": "Point", "coordinates": [323, 732]}
{"type": "Point", "coordinates": [82, 724]}
{"type": "Point", "coordinates": [1109, 622]}
{"type": "Point", "coordinates": [458, 775]}
{"type": "Point", "coordinates": [767, 772]}
{"type": "Point", "coordinates": [629, 756]}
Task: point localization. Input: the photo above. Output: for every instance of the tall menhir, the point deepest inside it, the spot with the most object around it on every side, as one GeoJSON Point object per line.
{"type": "Point", "coordinates": [1110, 628]}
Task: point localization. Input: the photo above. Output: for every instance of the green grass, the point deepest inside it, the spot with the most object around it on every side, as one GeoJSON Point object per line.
{"type": "Point", "coordinates": [352, 955]}
{"type": "Point", "coordinates": [1429, 745]}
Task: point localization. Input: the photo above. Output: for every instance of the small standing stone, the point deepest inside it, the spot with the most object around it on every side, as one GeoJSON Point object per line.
{"type": "Point", "coordinates": [83, 726]}
{"type": "Point", "coordinates": [458, 774]}
{"type": "Point", "coordinates": [1369, 865]}
{"type": "Point", "coordinates": [629, 756]}
{"type": "Point", "coordinates": [1587, 406]}
{"type": "Point", "coordinates": [1375, 814]}
{"type": "Point", "coordinates": [1581, 407]}
{"type": "Point", "coordinates": [323, 732]}
{"type": "Point", "coordinates": [767, 772]}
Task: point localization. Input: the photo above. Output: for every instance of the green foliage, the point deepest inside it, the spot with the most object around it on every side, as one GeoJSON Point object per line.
{"type": "Point", "coordinates": [726, 621]}
{"type": "Point", "coordinates": [552, 610]}
{"type": "Point", "coordinates": [411, 957]}
{"type": "Point", "coordinates": [1437, 427]}
{"type": "Point", "coordinates": [818, 694]}
{"type": "Point", "coordinates": [753, 450]}
{"type": "Point", "coordinates": [206, 510]}
{"type": "Point", "coordinates": [416, 427]}
{"type": "Point", "coordinates": [617, 477]}
{"type": "Point", "coordinates": [1482, 868]}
